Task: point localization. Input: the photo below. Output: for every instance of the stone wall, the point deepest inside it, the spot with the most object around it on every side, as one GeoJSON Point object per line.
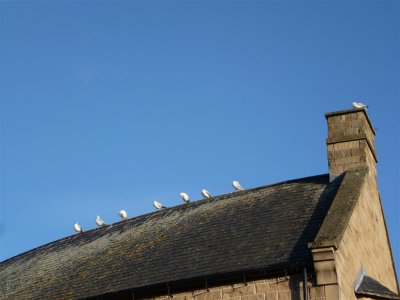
{"type": "Point", "coordinates": [351, 144]}
{"type": "Point", "coordinates": [281, 288]}
{"type": "Point", "coordinates": [365, 242]}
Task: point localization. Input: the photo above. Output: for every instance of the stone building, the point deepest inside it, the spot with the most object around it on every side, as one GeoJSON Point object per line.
{"type": "Point", "coordinates": [320, 237]}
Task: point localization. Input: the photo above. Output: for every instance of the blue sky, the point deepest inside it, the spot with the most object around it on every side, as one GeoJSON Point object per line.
{"type": "Point", "coordinates": [110, 105]}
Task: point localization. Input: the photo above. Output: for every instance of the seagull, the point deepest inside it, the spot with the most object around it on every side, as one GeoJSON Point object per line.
{"type": "Point", "coordinates": [185, 197]}
{"type": "Point", "coordinates": [158, 205]}
{"type": "Point", "coordinates": [100, 222]}
{"type": "Point", "coordinates": [237, 186]}
{"type": "Point", "coordinates": [78, 227]}
{"type": "Point", "coordinates": [123, 214]}
{"type": "Point", "coordinates": [206, 194]}
{"type": "Point", "coordinates": [359, 105]}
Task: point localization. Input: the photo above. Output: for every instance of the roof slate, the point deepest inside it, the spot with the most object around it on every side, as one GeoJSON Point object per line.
{"type": "Point", "coordinates": [261, 228]}
{"type": "Point", "coordinates": [374, 289]}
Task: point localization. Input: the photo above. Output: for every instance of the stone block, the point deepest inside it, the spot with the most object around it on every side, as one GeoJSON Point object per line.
{"type": "Point", "coordinates": [208, 295]}
{"type": "Point", "coordinates": [181, 297]}
{"type": "Point", "coordinates": [254, 297]}
{"type": "Point", "coordinates": [316, 292]}
{"type": "Point", "coordinates": [239, 290]}
{"type": "Point", "coordinates": [271, 296]}
{"type": "Point", "coordinates": [263, 287]}
{"type": "Point", "coordinates": [331, 292]}
{"type": "Point", "coordinates": [285, 295]}
{"type": "Point", "coordinates": [321, 254]}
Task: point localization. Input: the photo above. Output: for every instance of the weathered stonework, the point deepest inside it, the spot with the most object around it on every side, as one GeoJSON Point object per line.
{"type": "Point", "coordinates": [365, 243]}
{"type": "Point", "coordinates": [280, 288]}
{"type": "Point", "coordinates": [358, 236]}
{"type": "Point", "coordinates": [351, 141]}
{"type": "Point", "coordinates": [324, 265]}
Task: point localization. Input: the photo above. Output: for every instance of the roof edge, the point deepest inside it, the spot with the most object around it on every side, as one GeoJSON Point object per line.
{"type": "Point", "coordinates": [379, 291]}
{"type": "Point", "coordinates": [376, 296]}
{"type": "Point", "coordinates": [161, 212]}
{"type": "Point", "coordinates": [339, 214]}
{"type": "Point", "coordinates": [210, 280]}
{"type": "Point", "coordinates": [390, 245]}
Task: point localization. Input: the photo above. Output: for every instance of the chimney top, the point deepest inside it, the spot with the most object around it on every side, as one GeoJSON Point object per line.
{"type": "Point", "coordinates": [351, 141]}
{"type": "Point", "coordinates": [349, 111]}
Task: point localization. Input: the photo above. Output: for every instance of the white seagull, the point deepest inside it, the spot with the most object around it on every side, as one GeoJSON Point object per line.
{"type": "Point", "coordinates": [359, 105]}
{"type": "Point", "coordinates": [237, 186]}
{"type": "Point", "coordinates": [78, 227]}
{"type": "Point", "coordinates": [185, 197]}
{"type": "Point", "coordinates": [123, 214]}
{"type": "Point", "coordinates": [206, 194]}
{"type": "Point", "coordinates": [158, 205]}
{"type": "Point", "coordinates": [100, 222]}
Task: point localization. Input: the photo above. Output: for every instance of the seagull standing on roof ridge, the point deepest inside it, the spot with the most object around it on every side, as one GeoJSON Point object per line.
{"type": "Point", "coordinates": [100, 222]}
{"type": "Point", "coordinates": [206, 194]}
{"type": "Point", "coordinates": [185, 197]}
{"type": "Point", "coordinates": [237, 186]}
{"type": "Point", "coordinates": [123, 214]}
{"type": "Point", "coordinates": [359, 105]}
{"type": "Point", "coordinates": [158, 205]}
{"type": "Point", "coordinates": [78, 227]}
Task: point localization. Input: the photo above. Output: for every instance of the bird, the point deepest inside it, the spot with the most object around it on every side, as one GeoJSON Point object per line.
{"type": "Point", "coordinates": [237, 186]}
{"type": "Point", "coordinates": [359, 105]}
{"type": "Point", "coordinates": [206, 194]}
{"type": "Point", "coordinates": [158, 205]}
{"type": "Point", "coordinates": [78, 227]}
{"type": "Point", "coordinates": [123, 214]}
{"type": "Point", "coordinates": [100, 222]}
{"type": "Point", "coordinates": [185, 197]}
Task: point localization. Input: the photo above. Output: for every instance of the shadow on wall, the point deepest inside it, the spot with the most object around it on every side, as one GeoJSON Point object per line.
{"type": "Point", "coordinates": [309, 234]}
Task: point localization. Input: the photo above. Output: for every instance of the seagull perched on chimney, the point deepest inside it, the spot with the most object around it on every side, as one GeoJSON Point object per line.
{"type": "Point", "coordinates": [100, 222]}
{"type": "Point", "coordinates": [359, 105]}
{"type": "Point", "coordinates": [185, 197]}
{"type": "Point", "coordinates": [78, 227]}
{"type": "Point", "coordinates": [123, 214]}
{"type": "Point", "coordinates": [206, 194]}
{"type": "Point", "coordinates": [237, 186]}
{"type": "Point", "coordinates": [158, 205]}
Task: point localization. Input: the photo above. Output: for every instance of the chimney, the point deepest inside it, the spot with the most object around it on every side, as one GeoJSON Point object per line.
{"type": "Point", "coordinates": [351, 141]}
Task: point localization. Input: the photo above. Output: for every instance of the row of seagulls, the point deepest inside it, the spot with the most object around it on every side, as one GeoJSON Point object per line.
{"type": "Point", "coordinates": [359, 105]}
{"type": "Point", "coordinates": [206, 194]}
{"type": "Point", "coordinates": [100, 223]}
{"type": "Point", "coordinates": [185, 197]}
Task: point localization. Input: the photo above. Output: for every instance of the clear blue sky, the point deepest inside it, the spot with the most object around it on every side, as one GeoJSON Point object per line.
{"type": "Point", "coordinates": [110, 105]}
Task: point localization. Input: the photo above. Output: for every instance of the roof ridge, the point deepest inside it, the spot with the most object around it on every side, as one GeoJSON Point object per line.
{"type": "Point", "coordinates": [194, 203]}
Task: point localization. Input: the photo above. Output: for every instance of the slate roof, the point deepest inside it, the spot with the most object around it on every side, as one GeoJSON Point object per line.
{"type": "Point", "coordinates": [371, 288]}
{"type": "Point", "coordinates": [265, 228]}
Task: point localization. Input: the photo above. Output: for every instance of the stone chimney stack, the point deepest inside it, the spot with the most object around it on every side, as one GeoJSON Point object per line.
{"type": "Point", "coordinates": [351, 141]}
